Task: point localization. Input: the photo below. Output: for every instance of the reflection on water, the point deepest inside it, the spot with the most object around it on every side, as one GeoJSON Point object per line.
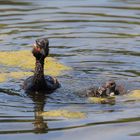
{"type": "Point", "coordinates": [39, 103]}
{"type": "Point", "coordinates": [99, 40]}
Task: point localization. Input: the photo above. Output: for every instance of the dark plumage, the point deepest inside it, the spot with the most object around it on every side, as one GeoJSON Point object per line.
{"type": "Point", "coordinates": [39, 82]}
{"type": "Point", "coordinates": [108, 89]}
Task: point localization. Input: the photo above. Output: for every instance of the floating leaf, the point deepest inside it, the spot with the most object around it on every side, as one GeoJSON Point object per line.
{"type": "Point", "coordinates": [63, 113]}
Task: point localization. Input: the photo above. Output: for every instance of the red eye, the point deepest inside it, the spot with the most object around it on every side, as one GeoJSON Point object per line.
{"type": "Point", "coordinates": [37, 49]}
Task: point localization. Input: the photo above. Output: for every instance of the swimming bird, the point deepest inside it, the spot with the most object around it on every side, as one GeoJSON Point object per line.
{"type": "Point", "coordinates": [39, 82]}
{"type": "Point", "coordinates": [108, 89]}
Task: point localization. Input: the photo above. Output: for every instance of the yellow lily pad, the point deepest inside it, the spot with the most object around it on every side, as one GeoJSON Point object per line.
{"type": "Point", "coordinates": [63, 113]}
{"type": "Point", "coordinates": [23, 59]}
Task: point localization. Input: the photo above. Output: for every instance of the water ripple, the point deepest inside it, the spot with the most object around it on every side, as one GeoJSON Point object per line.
{"type": "Point", "coordinates": [99, 40]}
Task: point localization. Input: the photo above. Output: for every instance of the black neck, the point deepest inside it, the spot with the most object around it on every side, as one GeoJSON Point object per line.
{"type": "Point", "coordinates": [39, 73]}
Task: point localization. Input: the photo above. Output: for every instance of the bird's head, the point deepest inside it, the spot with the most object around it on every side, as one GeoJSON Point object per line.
{"type": "Point", "coordinates": [41, 48]}
{"type": "Point", "coordinates": [110, 87]}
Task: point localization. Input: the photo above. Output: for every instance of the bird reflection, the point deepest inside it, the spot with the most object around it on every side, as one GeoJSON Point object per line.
{"type": "Point", "coordinates": [39, 99]}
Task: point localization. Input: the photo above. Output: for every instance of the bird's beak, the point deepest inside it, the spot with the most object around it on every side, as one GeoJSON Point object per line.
{"type": "Point", "coordinates": [34, 45]}
{"type": "Point", "coordinates": [36, 48]}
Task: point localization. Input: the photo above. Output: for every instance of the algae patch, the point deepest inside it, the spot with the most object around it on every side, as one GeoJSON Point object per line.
{"type": "Point", "coordinates": [2, 78]}
{"type": "Point", "coordinates": [13, 75]}
{"type": "Point", "coordinates": [25, 62]}
{"type": "Point", "coordinates": [63, 113]}
{"type": "Point", "coordinates": [135, 94]}
{"type": "Point", "coordinates": [98, 100]}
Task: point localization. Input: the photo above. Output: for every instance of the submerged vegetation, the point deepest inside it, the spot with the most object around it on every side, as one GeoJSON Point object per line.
{"type": "Point", "coordinates": [97, 100]}
{"type": "Point", "coordinates": [135, 94]}
{"type": "Point", "coordinates": [64, 114]}
{"type": "Point", "coordinates": [25, 61]}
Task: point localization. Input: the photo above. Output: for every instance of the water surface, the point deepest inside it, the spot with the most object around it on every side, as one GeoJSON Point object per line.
{"type": "Point", "coordinates": [99, 40]}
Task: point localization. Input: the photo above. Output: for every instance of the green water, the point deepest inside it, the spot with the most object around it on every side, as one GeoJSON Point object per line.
{"type": "Point", "coordinates": [100, 40]}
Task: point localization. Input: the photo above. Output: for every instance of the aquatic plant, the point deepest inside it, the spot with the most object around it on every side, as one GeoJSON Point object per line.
{"type": "Point", "coordinates": [24, 61]}
{"type": "Point", "coordinates": [63, 113]}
